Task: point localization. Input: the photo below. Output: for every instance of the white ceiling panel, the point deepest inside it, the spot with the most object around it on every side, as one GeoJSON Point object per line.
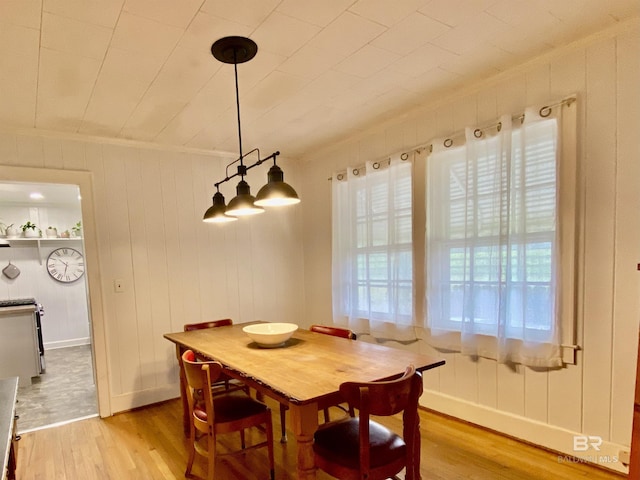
{"type": "Point", "coordinates": [18, 74]}
{"type": "Point", "coordinates": [102, 12]}
{"type": "Point", "coordinates": [411, 33]}
{"type": "Point", "coordinates": [64, 89]}
{"type": "Point", "coordinates": [143, 69]}
{"type": "Point", "coordinates": [206, 29]}
{"type": "Point", "coordinates": [141, 35]}
{"type": "Point", "coordinates": [245, 12]}
{"type": "Point", "coordinates": [283, 34]}
{"type": "Point", "coordinates": [367, 61]}
{"type": "Point", "coordinates": [315, 12]}
{"type": "Point", "coordinates": [386, 12]}
{"type": "Point", "coordinates": [170, 12]}
{"type": "Point", "coordinates": [25, 13]}
{"type": "Point", "coordinates": [455, 12]}
{"type": "Point", "coordinates": [73, 36]}
{"type": "Point", "coordinates": [466, 37]}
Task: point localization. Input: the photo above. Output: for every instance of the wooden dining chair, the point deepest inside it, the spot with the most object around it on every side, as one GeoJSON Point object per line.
{"type": "Point", "coordinates": [224, 383]}
{"type": "Point", "coordinates": [360, 448]}
{"type": "Point", "coordinates": [325, 330]}
{"type": "Point", "coordinates": [335, 332]}
{"type": "Point", "coordinates": [212, 415]}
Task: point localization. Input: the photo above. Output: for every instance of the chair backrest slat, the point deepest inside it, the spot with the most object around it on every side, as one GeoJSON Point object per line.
{"type": "Point", "coordinates": [384, 398]}
{"type": "Point", "coordinates": [199, 377]}
{"type": "Point", "coordinates": [334, 331]}
{"type": "Point", "coordinates": [209, 324]}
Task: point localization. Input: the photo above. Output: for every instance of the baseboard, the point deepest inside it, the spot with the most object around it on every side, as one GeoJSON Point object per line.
{"type": "Point", "coordinates": [129, 401]}
{"type": "Point", "coordinates": [73, 342]}
{"type": "Point", "coordinates": [547, 436]}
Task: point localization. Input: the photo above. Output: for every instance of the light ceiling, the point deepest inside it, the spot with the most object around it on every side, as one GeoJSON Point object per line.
{"type": "Point", "coordinates": [35, 194]}
{"type": "Point", "coordinates": [325, 69]}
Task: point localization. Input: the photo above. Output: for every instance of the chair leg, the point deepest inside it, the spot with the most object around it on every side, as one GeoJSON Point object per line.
{"type": "Point", "coordinates": [327, 418]}
{"type": "Point", "coordinates": [192, 456]}
{"type": "Point", "coordinates": [269, 432]}
{"type": "Point", "coordinates": [283, 424]}
{"type": "Point", "coordinates": [211, 467]}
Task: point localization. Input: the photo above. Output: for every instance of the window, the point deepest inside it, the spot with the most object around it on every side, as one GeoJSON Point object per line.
{"type": "Point", "coordinates": [372, 244]}
{"type": "Point", "coordinates": [493, 255]}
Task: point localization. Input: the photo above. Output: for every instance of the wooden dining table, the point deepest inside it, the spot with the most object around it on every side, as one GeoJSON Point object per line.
{"type": "Point", "coordinates": [305, 373]}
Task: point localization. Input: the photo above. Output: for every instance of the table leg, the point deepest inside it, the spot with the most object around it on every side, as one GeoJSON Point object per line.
{"type": "Point", "coordinates": [304, 420]}
{"type": "Point", "coordinates": [416, 446]}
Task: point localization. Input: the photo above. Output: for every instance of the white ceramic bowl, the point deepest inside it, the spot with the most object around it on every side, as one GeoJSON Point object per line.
{"type": "Point", "coordinates": [270, 334]}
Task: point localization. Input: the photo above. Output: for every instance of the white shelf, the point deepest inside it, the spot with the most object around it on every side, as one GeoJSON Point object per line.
{"type": "Point", "coordinates": [41, 239]}
{"type": "Point", "coordinates": [38, 241]}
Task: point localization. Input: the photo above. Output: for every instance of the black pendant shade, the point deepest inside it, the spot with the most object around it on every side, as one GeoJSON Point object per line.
{"type": "Point", "coordinates": [215, 213]}
{"type": "Point", "coordinates": [276, 192]}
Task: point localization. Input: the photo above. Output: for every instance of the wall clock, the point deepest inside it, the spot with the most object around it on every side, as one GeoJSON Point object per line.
{"type": "Point", "coordinates": [65, 264]}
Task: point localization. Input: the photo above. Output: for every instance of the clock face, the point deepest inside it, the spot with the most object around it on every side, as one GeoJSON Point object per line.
{"type": "Point", "coordinates": [65, 265]}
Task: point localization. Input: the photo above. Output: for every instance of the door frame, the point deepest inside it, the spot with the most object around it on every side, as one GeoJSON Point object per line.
{"type": "Point", "coordinates": [84, 181]}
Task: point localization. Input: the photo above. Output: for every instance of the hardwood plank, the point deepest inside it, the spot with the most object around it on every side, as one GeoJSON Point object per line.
{"type": "Point", "coordinates": [148, 443]}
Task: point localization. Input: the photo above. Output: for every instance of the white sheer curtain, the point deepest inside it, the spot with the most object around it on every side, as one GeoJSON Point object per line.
{"type": "Point", "coordinates": [492, 243]}
{"type": "Point", "coordinates": [372, 261]}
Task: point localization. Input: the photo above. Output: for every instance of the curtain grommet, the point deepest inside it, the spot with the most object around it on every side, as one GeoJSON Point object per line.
{"type": "Point", "coordinates": [545, 111]}
{"type": "Point", "coordinates": [448, 142]}
{"type": "Point", "coordinates": [404, 156]}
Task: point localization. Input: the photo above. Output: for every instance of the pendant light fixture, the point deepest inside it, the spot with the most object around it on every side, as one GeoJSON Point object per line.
{"type": "Point", "coordinates": [276, 192]}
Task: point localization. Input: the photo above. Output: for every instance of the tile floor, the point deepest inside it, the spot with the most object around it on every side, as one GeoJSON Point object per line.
{"type": "Point", "coordinates": [65, 392]}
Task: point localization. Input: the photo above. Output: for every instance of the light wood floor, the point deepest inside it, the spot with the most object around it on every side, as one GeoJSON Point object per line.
{"type": "Point", "coordinates": [149, 444]}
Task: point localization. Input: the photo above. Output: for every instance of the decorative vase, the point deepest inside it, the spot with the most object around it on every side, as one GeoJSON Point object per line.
{"type": "Point", "coordinates": [12, 232]}
{"type": "Point", "coordinates": [52, 233]}
{"type": "Point", "coordinates": [31, 233]}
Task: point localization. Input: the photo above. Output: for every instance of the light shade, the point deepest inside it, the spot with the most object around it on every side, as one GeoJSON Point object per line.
{"type": "Point", "coordinates": [276, 192]}
{"type": "Point", "coordinates": [243, 203]}
{"type": "Point", "coordinates": [216, 212]}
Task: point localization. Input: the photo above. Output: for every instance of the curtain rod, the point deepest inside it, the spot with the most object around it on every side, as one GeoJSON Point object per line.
{"type": "Point", "coordinates": [544, 111]}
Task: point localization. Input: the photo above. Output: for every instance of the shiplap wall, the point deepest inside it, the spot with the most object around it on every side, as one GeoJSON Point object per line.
{"type": "Point", "coordinates": [175, 269]}
{"type": "Point", "coordinates": [593, 397]}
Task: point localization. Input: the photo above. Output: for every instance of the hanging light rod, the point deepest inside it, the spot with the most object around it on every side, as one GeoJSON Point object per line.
{"type": "Point", "coordinates": [276, 192]}
{"type": "Point", "coordinates": [244, 168]}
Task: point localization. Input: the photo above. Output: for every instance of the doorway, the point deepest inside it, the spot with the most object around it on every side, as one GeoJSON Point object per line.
{"type": "Point", "coordinates": [42, 224]}
{"type": "Point", "coordinates": [82, 181]}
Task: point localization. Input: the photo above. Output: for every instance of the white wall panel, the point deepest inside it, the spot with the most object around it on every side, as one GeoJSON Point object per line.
{"type": "Point", "coordinates": [600, 163]}
{"type": "Point", "coordinates": [626, 301]}
{"type": "Point", "coordinates": [594, 396]}
{"type": "Point", "coordinates": [567, 77]}
{"type": "Point", "coordinates": [30, 151]}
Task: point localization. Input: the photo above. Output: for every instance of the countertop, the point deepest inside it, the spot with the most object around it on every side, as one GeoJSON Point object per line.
{"type": "Point", "coordinates": [8, 395]}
